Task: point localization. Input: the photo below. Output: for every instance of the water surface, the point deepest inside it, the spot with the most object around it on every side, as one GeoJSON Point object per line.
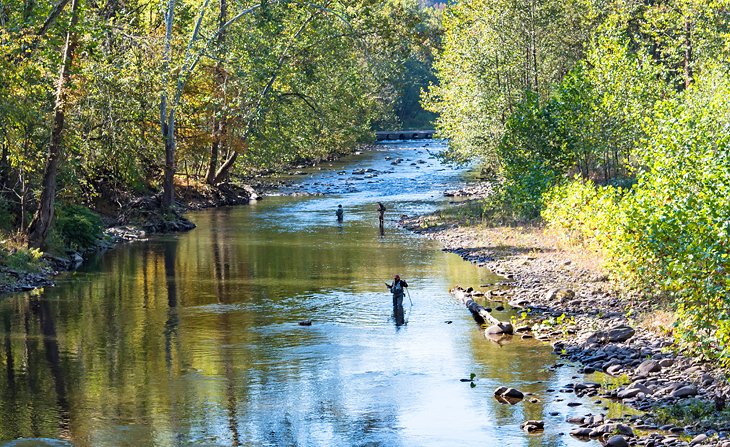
{"type": "Point", "coordinates": [193, 339]}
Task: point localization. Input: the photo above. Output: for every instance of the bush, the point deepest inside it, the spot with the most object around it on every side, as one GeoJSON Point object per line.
{"type": "Point", "coordinates": [674, 232]}
{"type": "Point", "coordinates": [583, 213]}
{"type": "Point", "coordinates": [78, 227]}
{"type": "Point", "coordinates": [26, 260]}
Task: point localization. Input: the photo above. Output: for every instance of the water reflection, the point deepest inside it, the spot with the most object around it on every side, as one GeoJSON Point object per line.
{"type": "Point", "coordinates": [193, 340]}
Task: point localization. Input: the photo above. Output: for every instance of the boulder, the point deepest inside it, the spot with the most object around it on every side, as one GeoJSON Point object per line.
{"type": "Point", "coordinates": [620, 334]}
{"type": "Point", "coordinates": [685, 391]}
{"type": "Point", "coordinates": [511, 393]}
{"type": "Point", "coordinates": [648, 366]}
{"type": "Point", "coordinates": [617, 441]}
{"type": "Point", "coordinates": [581, 432]}
{"type": "Point", "coordinates": [598, 337]}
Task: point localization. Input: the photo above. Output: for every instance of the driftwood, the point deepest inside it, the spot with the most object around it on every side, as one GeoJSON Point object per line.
{"type": "Point", "coordinates": [481, 314]}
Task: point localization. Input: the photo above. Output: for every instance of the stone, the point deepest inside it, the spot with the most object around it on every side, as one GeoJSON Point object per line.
{"type": "Point", "coordinates": [698, 439]}
{"type": "Point", "coordinates": [305, 323]}
{"type": "Point", "coordinates": [581, 432]}
{"type": "Point", "coordinates": [598, 337]}
{"type": "Point", "coordinates": [685, 391]}
{"type": "Point", "coordinates": [648, 366]}
{"type": "Point", "coordinates": [533, 425]}
{"type": "Point", "coordinates": [614, 370]}
{"type": "Point", "coordinates": [617, 441]}
{"type": "Point", "coordinates": [560, 294]}
{"type": "Point", "coordinates": [620, 334]}
{"type": "Point", "coordinates": [512, 393]}
{"type": "Point", "coordinates": [666, 363]}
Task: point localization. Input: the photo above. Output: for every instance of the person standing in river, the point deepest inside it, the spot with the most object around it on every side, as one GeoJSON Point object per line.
{"type": "Point", "coordinates": [339, 213]}
{"type": "Point", "coordinates": [397, 289]}
{"type": "Point", "coordinates": [381, 215]}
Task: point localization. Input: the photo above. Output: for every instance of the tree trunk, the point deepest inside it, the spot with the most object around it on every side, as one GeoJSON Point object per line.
{"type": "Point", "coordinates": [219, 122]}
{"type": "Point", "coordinates": [168, 184]}
{"type": "Point", "coordinates": [480, 314]}
{"type": "Point", "coordinates": [225, 168]}
{"type": "Point", "coordinates": [687, 54]}
{"type": "Point", "coordinates": [41, 223]}
{"type": "Point", "coordinates": [167, 118]}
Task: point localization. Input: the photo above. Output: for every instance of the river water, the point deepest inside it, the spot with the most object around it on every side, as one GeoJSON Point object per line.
{"type": "Point", "coordinates": [193, 339]}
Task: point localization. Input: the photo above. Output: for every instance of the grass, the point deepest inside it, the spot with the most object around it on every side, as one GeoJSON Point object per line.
{"type": "Point", "coordinates": [690, 412]}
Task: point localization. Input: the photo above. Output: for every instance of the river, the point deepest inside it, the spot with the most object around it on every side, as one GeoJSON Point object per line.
{"type": "Point", "coordinates": [193, 339]}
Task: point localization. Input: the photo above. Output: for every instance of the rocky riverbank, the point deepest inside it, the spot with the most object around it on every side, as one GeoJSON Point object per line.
{"type": "Point", "coordinates": [568, 301]}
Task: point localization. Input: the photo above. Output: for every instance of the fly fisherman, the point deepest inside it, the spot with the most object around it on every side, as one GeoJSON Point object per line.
{"type": "Point", "coordinates": [339, 213]}
{"type": "Point", "coordinates": [397, 289]}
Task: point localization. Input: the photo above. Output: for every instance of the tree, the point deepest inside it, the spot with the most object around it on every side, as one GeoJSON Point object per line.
{"type": "Point", "coordinates": [43, 218]}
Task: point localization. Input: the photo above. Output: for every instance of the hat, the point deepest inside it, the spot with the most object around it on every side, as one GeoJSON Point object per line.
{"type": "Point", "coordinates": [396, 277]}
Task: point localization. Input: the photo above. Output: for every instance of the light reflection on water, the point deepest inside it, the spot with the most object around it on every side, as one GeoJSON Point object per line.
{"type": "Point", "coordinates": [193, 339]}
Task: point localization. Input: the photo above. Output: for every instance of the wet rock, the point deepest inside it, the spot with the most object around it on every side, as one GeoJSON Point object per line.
{"type": "Point", "coordinates": [500, 328]}
{"type": "Point", "coordinates": [583, 432]}
{"type": "Point", "coordinates": [509, 393]}
{"type": "Point", "coordinates": [305, 323]}
{"type": "Point", "coordinates": [533, 425]}
{"type": "Point", "coordinates": [617, 441]}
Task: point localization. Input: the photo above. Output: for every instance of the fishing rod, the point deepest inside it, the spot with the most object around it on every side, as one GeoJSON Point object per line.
{"type": "Point", "coordinates": [409, 296]}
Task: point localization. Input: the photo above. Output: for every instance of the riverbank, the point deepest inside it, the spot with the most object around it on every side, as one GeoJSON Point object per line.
{"type": "Point", "coordinates": [569, 301]}
{"type": "Point", "coordinates": [142, 216]}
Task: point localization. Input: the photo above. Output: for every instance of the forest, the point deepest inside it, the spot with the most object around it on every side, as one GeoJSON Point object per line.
{"type": "Point", "coordinates": [105, 102]}
{"type": "Point", "coordinates": [608, 121]}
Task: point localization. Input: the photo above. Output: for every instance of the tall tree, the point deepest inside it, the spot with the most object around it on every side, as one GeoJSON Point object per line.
{"type": "Point", "coordinates": [43, 218]}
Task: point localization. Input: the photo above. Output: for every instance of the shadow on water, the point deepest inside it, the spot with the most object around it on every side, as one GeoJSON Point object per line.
{"type": "Point", "coordinates": [188, 340]}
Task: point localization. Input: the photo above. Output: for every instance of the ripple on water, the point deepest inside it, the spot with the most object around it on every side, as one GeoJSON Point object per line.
{"type": "Point", "coordinates": [37, 442]}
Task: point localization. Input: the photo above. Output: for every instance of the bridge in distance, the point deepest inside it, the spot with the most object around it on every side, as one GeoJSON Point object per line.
{"type": "Point", "coordinates": [404, 135]}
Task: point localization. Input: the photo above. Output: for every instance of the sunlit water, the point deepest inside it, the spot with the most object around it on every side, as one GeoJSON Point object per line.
{"type": "Point", "coordinates": [193, 339]}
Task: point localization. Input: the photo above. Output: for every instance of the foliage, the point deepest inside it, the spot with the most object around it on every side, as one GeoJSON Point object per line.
{"type": "Point", "coordinates": [616, 134]}
{"type": "Point", "coordinates": [691, 411]}
{"type": "Point", "coordinates": [280, 81]}
{"type": "Point", "coordinates": [24, 260]}
{"type": "Point", "coordinates": [582, 212]}
{"type": "Point", "coordinates": [79, 227]}
{"type": "Point", "coordinates": [496, 53]}
{"type": "Point", "coordinates": [674, 229]}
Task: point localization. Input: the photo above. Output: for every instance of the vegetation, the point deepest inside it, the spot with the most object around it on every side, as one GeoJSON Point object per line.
{"type": "Point", "coordinates": [104, 102]}
{"type": "Point", "coordinates": [607, 119]}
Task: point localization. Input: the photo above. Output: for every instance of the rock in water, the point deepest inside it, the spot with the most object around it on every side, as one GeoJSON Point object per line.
{"type": "Point", "coordinates": [305, 323]}
{"type": "Point", "coordinates": [533, 425]}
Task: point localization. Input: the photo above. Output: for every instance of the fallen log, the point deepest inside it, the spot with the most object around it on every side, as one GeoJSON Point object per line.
{"type": "Point", "coordinates": [481, 314]}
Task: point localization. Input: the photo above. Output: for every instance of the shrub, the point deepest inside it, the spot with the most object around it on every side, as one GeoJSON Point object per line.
{"type": "Point", "coordinates": [79, 227]}
{"type": "Point", "coordinates": [27, 260]}
{"type": "Point", "coordinates": [674, 232]}
{"type": "Point", "coordinates": [583, 213]}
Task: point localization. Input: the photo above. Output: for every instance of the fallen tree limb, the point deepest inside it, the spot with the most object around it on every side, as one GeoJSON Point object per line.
{"type": "Point", "coordinates": [481, 314]}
